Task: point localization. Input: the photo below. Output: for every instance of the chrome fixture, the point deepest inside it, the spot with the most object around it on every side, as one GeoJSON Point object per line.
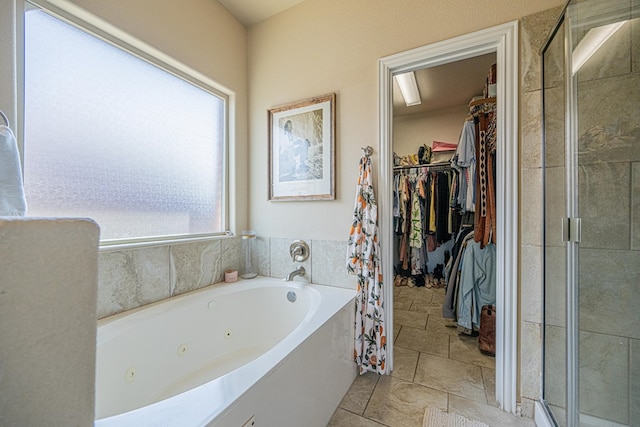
{"type": "Point", "coordinates": [291, 296]}
{"type": "Point", "coordinates": [300, 271]}
{"type": "Point", "coordinates": [299, 251]}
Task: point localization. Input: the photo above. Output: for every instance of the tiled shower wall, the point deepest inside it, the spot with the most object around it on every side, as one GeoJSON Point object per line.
{"type": "Point", "coordinates": [130, 278]}
{"type": "Point", "coordinates": [534, 30]}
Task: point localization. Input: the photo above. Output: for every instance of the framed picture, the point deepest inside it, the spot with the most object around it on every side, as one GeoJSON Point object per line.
{"type": "Point", "coordinates": [301, 150]}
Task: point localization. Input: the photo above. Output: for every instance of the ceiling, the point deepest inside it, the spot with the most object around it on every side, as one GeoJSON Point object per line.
{"type": "Point", "coordinates": [448, 85]}
{"type": "Point", "coordinates": [250, 12]}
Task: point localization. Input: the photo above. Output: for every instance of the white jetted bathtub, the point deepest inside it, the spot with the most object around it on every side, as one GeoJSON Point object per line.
{"type": "Point", "coordinates": [265, 351]}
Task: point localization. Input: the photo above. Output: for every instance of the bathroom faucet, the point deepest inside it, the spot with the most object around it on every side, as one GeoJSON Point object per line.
{"type": "Point", "coordinates": [300, 271]}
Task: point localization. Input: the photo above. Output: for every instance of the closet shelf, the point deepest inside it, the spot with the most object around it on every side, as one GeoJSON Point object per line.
{"type": "Point", "coordinates": [482, 101]}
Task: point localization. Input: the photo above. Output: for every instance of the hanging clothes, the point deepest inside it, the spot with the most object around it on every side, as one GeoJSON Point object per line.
{"type": "Point", "coordinates": [452, 273]}
{"type": "Point", "coordinates": [464, 161]}
{"type": "Point", "coordinates": [363, 261]}
{"type": "Point", "coordinates": [477, 284]}
{"type": "Point", "coordinates": [442, 207]}
{"type": "Point", "coordinates": [424, 216]}
{"type": "Point", "coordinates": [470, 274]}
{"type": "Point", "coordinates": [485, 214]}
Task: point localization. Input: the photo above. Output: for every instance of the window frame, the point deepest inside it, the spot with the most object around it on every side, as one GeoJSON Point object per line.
{"type": "Point", "coordinates": [97, 27]}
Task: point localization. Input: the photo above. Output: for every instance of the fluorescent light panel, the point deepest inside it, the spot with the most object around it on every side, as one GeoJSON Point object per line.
{"type": "Point", "coordinates": [591, 42]}
{"type": "Point", "coordinates": [409, 88]}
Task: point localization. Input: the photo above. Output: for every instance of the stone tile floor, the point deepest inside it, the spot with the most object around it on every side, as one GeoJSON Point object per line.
{"type": "Point", "coordinates": [433, 366]}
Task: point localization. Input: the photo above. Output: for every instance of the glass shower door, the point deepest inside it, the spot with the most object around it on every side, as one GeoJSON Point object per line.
{"type": "Point", "coordinates": [607, 130]}
{"type": "Point", "coordinates": [591, 93]}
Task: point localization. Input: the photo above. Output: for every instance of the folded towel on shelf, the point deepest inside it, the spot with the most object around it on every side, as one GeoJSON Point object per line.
{"type": "Point", "coordinates": [12, 199]}
{"type": "Point", "coordinates": [443, 146]}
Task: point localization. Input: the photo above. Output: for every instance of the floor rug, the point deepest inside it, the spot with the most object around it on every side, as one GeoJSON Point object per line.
{"type": "Point", "coordinates": [434, 417]}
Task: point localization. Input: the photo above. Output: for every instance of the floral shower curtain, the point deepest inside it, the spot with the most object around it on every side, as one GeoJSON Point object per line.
{"type": "Point", "coordinates": [363, 261]}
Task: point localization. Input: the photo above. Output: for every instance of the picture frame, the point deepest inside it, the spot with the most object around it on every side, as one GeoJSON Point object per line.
{"type": "Point", "coordinates": [302, 150]}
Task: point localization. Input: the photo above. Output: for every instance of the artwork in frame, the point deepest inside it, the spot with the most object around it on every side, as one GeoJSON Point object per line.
{"type": "Point", "coordinates": [301, 150]}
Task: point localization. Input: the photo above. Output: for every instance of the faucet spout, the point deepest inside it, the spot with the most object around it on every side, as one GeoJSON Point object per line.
{"type": "Point", "coordinates": [300, 271]}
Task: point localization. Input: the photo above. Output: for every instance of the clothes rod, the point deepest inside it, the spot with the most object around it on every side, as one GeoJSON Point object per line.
{"type": "Point", "coordinates": [426, 165]}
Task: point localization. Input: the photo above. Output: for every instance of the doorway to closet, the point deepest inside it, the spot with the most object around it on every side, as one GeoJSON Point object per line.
{"type": "Point", "coordinates": [500, 42]}
{"type": "Point", "coordinates": [444, 256]}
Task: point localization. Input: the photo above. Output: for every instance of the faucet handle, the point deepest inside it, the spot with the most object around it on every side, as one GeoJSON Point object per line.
{"type": "Point", "coordinates": [299, 251]}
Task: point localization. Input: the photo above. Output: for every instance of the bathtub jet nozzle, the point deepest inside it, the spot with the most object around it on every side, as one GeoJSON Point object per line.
{"type": "Point", "coordinates": [300, 271]}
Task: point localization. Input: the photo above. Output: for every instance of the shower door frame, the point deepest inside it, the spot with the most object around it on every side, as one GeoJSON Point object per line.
{"type": "Point", "coordinates": [502, 40]}
{"type": "Point", "coordinates": [570, 227]}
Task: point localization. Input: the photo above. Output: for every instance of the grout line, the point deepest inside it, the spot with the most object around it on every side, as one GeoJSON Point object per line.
{"type": "Point", "coordinates": [373, 390]}
{"type": "Point", "coordinates": [484, 385]}
{"type": "Point", "coordinates": [362, 416]}
{"type": "Point", "coordinates": [415, 370]}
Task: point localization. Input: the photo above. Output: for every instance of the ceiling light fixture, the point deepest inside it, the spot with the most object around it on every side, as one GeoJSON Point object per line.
{"type": "Point", "coordinates": [591, 42]}
{"type": "Point", "coordinates": [409, 88]}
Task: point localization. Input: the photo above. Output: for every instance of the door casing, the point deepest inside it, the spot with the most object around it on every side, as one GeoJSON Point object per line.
{"type": "Point", "coordinates": [503, 40]}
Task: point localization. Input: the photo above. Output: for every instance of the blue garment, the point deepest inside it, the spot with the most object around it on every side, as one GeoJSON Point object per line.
{"type": "Point", "coordinates": [465, 159]}
{"type": "Point", "coordinates": [466, 150]}
{"type": "Point", "coordinates": [477, 283]}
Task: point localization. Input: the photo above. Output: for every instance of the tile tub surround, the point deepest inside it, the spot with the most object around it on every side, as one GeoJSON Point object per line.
{"type": "Point", "coordinates": [130, 278]}
{"type": "Point", "coordinates": [326, 264]}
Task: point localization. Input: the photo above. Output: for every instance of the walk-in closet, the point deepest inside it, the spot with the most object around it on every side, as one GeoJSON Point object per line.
{"type": "Point", "coordinates": [444, 228]}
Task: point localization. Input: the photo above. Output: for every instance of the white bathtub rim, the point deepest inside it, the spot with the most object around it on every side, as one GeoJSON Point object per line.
{"type": "Point", "coordinates": [204, 403]}
{"type": "Point", "coordinates": [144, 312]}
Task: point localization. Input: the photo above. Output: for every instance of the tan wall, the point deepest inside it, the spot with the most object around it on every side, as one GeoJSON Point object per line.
{"type": "Point", "coordinates": [323, 46]}
{"type": "Point", "coordinates": [413, 130]}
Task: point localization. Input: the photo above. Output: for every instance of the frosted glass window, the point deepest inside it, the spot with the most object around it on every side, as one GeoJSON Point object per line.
{"type": "Point", "coordinates": [112, 137]}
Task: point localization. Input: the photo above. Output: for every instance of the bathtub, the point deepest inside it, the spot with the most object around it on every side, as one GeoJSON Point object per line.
{"type": "Point", "coordinates": [254, 352]}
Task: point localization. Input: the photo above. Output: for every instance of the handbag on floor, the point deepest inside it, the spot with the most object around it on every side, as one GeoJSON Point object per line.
{"type": "Point", "coordinates": [487, 337]}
